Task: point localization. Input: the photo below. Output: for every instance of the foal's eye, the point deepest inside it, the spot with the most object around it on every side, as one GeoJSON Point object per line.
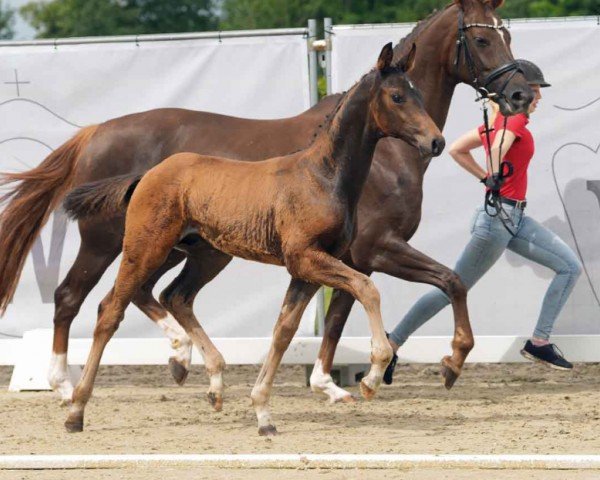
{"type": "Point", "coordinates": [397, 98]}
{"type": "Point", "coordinates": [482, 42]}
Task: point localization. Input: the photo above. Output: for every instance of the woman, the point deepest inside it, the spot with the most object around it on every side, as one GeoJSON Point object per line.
{"type": "Point", "coordinates": [491, 235]}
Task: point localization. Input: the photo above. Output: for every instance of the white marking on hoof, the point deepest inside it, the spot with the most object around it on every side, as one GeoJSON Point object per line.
{"type": "Point", "coordinates": [59, 377]}
{"type": "Point", "coordinates": [321, 382]}
{"type": "Point", "coordinates": [180, 341]}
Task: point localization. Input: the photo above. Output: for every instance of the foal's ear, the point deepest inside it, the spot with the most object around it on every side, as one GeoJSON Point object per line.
{"type": "Point", "coordinates": [385, 58]}
{"type": "Point", "coordinates": [407, 62]}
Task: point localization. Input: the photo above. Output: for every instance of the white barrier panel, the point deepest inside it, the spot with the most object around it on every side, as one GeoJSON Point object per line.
{"type": "Point", "coordinates": [564, 182]}
{"type": "Point", "coordinates": [48, 91]}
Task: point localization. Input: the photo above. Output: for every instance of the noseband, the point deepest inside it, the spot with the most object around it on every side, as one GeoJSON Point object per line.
{"type": "Point", "coordinates": [463, 45]}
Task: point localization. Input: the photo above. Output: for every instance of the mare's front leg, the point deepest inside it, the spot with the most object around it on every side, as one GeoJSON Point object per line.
{"type": "Point", "coordinates": [296, 299]}
{"type": "Point", "coordinates": [204, 263]}
{"type": "Point", "coordinates": [319, 267]}
{"type": "Point", "coordinates": [396, 257]}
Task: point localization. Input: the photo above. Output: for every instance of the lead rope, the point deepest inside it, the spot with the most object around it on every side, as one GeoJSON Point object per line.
{"type": "Point", "coordinates": [492, 198]}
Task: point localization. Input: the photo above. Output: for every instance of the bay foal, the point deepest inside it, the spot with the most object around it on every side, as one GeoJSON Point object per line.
{"type": "Point", "coordinates": [297, 211]}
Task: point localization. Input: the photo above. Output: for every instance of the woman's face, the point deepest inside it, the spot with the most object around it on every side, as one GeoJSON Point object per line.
{"type": "Point", "coordinates": [538, 95]}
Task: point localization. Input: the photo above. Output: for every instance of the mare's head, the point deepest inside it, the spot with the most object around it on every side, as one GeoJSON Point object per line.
{"type": "Point", "coordinates": [479, 54]}
{"type": "Point", "coordinates": [397, 106]}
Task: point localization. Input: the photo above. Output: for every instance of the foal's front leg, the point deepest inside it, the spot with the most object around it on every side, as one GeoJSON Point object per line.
{"type": "Point", "coordinates": [296, 299]}
{"type": "Point", "coordinates": [320, 267]}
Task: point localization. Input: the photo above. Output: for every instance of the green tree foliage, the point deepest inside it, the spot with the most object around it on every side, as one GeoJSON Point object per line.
{"type": "Point", "coordinates": [67, 18]}
{"type": "Point", "coordinates": [241, 14]}
{"type": "Point", "coordinates": [75, 18]}
{"type": "Point", "coordinates": [7, 16]}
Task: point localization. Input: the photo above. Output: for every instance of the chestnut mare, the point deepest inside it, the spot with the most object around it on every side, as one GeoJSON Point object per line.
{"type": "Point", "coordinates": [389, 211]}
{"type": "Point", "coordinates": [297, 211]}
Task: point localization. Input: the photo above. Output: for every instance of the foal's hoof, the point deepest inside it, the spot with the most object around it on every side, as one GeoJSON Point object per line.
{"type": "Point", "coordinates": [449, 373]}
{"type": "Point", "coordinates": [74, 426]}
{"type": "Point", "coordinates": [215, 400]}
{"type": "Point", "coordinates": [66, 402]}
{"type": "Point", "coordinates": [367, 392]}
{"type": "Point", "coordinates": [178, 371]}
{"type": "Point", "coordinates": [268, 431]}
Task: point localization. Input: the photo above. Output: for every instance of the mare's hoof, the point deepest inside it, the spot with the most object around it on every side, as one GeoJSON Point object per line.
{"type": "Point", "coordinates": [178, 371]}
{"type": "Point", "coordinates": [449, 373]}
{"type": "Point", "coordinates": [215, 400]}
{"type": "Point", "coordinates": [367, 392]}
{"type": "Point", "coordinates": [346, 399]}
{"type": "Point", "coordinates": [268, 431]}
{"type": "Point", "coordinates": [74, 426]}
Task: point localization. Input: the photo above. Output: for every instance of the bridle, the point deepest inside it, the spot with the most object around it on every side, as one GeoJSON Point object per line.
{"type": "Point", "coordinates": [492, 198]}
{"type": "Point", "coordinates": [462, 45]}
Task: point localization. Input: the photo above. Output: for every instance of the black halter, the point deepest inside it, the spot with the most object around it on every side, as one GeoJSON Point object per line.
{"type": "Point", "coordinates": [492, 199]}
{"type": "Point", "coordinates": [462, 44]}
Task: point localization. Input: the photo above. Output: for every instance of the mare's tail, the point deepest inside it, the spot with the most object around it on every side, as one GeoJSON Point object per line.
{"type": "Point", "coordinates": [108, 197]}
{"type": "Point", "coordinates": [30, 202]}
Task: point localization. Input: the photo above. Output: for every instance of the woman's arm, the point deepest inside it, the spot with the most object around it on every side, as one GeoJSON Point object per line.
{"type": "Point", "coordinates": [460, 151]}
{"type": "Point", "coordinates": [509, 138]}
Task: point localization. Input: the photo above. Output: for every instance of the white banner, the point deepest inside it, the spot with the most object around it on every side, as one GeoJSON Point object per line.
{"type": "Point", "coordinates": [47, 92]}
{"type": "Point", "coordinates": [564, 183]}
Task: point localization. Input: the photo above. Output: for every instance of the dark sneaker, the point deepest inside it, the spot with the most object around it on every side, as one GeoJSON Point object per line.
{"type": "Point", "coordinates": [388, 376]}
{"type": "Point", "coordinates": [548, 354]}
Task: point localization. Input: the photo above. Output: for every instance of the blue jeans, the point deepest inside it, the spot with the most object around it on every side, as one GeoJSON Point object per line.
{"type": "Point", "coordinates": [488, 241]}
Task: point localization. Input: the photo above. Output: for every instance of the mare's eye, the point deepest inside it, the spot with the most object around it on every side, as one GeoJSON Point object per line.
{"type": "Point", "coordinates": [482, 42]}
{"type": "Point", "coordinates": [397, 98]}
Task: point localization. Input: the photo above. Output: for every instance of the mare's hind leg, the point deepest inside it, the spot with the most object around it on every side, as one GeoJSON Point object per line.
{"type": "Point", "coordinates": [179, 363]}
{"type": "Point", "coordinates": [99, 247]}
{"type": "Point", "coordinates": [203, 264]}
{"type": "Point", "coordinates": [320, 379]}
{"type": "Point", "coordinates": [296, 299]}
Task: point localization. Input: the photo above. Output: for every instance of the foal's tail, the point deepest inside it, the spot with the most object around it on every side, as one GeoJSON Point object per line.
{"type": "Point", "coordinates": [36, 194]}
{"type": "Point", "coordinates": [108, 197]}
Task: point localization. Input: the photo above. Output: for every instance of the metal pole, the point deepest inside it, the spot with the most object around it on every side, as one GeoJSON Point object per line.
{"type": "Point", "coordinates": [312, 62]}
{"type": "Point", "coordinates": [314, 98]}
{"type": "Point", "coordinates": [327, 25]}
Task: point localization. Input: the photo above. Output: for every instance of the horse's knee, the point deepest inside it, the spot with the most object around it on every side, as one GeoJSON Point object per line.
{"type": "Point", "coordinates": [67, 304]}
{"type": "Point", "coordinates": [369, 293]}
{"type": "Point", "coordinates": [172, 300]}
{"type": "Point", "coordinates": [454, 286]}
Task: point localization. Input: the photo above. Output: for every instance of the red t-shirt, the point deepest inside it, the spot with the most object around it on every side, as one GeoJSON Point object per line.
{"type": "Point", "coordinates": [519, 154]}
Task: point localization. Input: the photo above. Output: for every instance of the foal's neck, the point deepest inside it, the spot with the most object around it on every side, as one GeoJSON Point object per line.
{"type": "Point", "coordinates": [435, 43]}
{"type": "Point", "coordinates": [344, 150]}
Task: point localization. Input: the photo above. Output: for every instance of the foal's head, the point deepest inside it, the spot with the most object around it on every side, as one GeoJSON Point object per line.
{"type": "Point", "coordinates": [397, 107]}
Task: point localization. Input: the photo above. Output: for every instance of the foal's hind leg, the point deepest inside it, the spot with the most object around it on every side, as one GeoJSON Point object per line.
{"type": "Point", "coordinates": [179, 363]}
{"type": "Point", "coordinates": [296, 299]}
{"type": "Point", "coordinates": [97, 251]}
{"type": "Point", "coordinates": [145, 249]}
{"type": "Point", "coordinates": [203, 264]}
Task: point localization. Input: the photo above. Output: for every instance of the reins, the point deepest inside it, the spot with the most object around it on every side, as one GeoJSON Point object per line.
{"type": "Point", "coordinates": [505, 169]}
